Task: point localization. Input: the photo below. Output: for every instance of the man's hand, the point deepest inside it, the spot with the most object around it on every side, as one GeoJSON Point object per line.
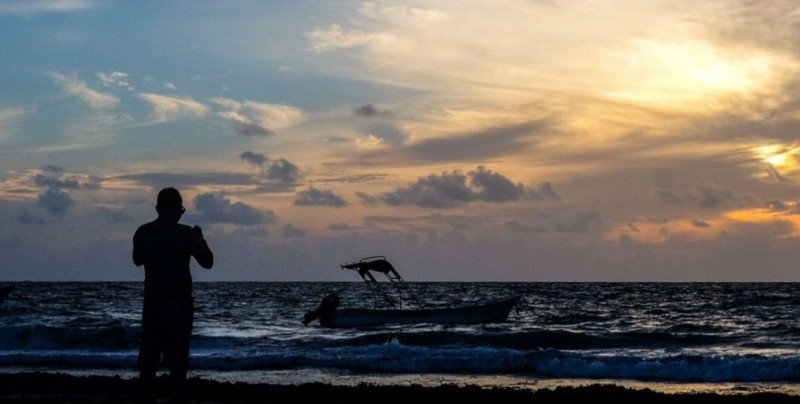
{"type": "Point", "coordinates": [199, 232]}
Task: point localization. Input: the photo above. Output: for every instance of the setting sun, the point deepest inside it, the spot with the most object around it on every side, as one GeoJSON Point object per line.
{"type": "Point", "coordinates": [778, 155]}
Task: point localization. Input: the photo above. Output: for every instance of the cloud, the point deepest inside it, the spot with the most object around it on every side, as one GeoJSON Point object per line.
{"type": "Point", "coordinates": [394, 44]}
{"type": "Point", "coordinates": [355, 178]}
{"type": "Point", "coordinates": [291, 231]}
{"type": "Point", "coordinates": [280, 171]}
{"type": "Point", "coordinates": [335, 139]}
{"type": "Point", "coordinates": [248, 129]}
{"type": "Point", "coordinates": [402, 14]}
{"type": "Point", "coordinates": [494, 187]}
{"type": "Point", "coordinates": [182, 181]}
{"type": "Point", "coordinates": [369, 142]}
{"type": "Point", "coordinates": [494, 142]}
{"type": "Point", "coordinates": [705, 196]}
{"type": "Point", "coordinates": [11, 113]}
{"type": "Point", "coordinates": [115, 80]}
{"type": "Point", "coordinates": [774, 174]}
{"type": "Point", "coordinates": [367, 199]}
{"type": "Point", "coordinates": [253, 118]}
{"type": "Point", "coordinates": [277, 176]}
{"type": "Point", "coordinates": [35, 181]}
{"type": "Point", "coordinates": [216, 207]}
{"type": "Point", "coordinates": [332, 37]}
{"type": "Point", "coordinates": [456, 189]}
{"type": "Point", "coordinates": [788, 207]}
{"type": "Point", "coordinates": [27, 217]}
{"type": "Point", "coordinates": [51, 176]}
{"type": "Point", "coordinates": [115, 215]}
{"type": "Point", "coordinates": [520, 227]}
{"type": "Point", "coordinates": [341, 227]}
{"type": "Point", "coordinates": [369, 110]}
{"type": "Point", "coordinates": [542, 192]}
{"type": "Point", "coordinates": [77, 88]}
{"type": "Point", "coordinates": [378, 134]}
{"type": "Point", "coordinates": [710, 197]}
{"type": "Point", "coordinates": [772, 25]}
{"type": "Point", "coordinates": [283, 171]}
{"type": "Point", "coordinates": [7, 117]}
{"type": "Point", "coordinates": [50, 181]}
{"type": "Point", "coordinates": [55, 201]}
{"type": "Point", "coordinates": [30, 7]}
{"type": "Point", "coordinates": [501, 140]}
{"type": "Point", "coordinates": [434, 191]}
{"type": "Point", "coordinates": [317, 197]}
{"type": "Point", "coordinates": [669, 197]}
{"type": "Point", "coordinates": [580, 222]}
{"type": "Point", "coordinates": [256, 159]}
{"type": "Point", "coordinates": [53, 168]}
{"type": "Point", "coordinates": [167, 109]}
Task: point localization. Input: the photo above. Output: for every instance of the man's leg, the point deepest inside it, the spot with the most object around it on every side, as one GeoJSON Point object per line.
{"type": "Point", "coordinates": [149, 355]}
{"type": "Point", "coordinates": [177, 352]}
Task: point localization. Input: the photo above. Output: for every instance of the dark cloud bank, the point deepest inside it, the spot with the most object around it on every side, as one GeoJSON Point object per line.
{"type": "Point", "coordinates": [452, 189]}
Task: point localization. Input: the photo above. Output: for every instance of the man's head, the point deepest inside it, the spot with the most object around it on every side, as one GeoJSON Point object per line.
{"type": "Point", "coordinates": [169, 204]}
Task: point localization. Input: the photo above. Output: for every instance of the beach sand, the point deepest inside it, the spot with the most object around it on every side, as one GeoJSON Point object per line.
{"type": "Point", "coordinates": [63, 388]}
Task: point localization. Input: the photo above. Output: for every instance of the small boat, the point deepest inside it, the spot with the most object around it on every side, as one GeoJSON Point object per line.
{"type": "Point", "coordinates": [388, 306]}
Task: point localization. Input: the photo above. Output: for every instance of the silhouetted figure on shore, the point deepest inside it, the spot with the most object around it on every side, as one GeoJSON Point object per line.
{"type": "Point", "coordinates": [165, 248]}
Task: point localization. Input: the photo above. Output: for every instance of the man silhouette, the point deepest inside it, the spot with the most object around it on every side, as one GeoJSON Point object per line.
{"type": "Point", "coordinates": [165, 248]}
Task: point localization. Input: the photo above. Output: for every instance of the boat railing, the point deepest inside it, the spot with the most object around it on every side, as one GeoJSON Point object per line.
{"type": "Point", "coordinates": [382, 297]}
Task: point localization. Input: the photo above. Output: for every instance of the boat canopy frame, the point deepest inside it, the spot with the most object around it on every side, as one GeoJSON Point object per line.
{"type": "Point", "coordinates": [383, 298]}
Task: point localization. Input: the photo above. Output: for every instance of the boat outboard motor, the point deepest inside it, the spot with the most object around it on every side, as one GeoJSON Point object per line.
{"type": "Point", "coordinates": [328, 305]}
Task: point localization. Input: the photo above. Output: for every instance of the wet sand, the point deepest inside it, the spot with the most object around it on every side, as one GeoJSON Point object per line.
{"type": "Point", "coordinates": [62, 388]}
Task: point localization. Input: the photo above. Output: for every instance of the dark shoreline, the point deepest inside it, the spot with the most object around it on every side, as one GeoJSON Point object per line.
{"type": "Point", "coordinates": [61, 388]}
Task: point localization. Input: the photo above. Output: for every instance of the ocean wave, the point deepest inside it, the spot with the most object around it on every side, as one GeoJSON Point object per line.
{"type": "Point", "coordinates": [117, 336]}
{"type": "Point", "coordinates": [541, 339]}
{"type": "Point", "coordinates": [395, 357]}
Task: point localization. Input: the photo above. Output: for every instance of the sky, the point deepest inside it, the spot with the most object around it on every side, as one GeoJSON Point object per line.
{"type": "Point", "coordinates": [501, 140]}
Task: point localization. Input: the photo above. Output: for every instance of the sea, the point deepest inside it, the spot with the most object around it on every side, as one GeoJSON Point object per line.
{"type": "Point", "coordinates": [670, 337]}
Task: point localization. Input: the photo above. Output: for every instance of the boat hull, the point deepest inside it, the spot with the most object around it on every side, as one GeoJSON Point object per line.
{"type": "Point", "coordinates": [473, 314]}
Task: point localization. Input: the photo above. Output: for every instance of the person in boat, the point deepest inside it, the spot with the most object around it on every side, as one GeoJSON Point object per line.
{"type": "Point", "coordinates": [165, 248]}
{"type": "Point", "coordinates": [323, 311]}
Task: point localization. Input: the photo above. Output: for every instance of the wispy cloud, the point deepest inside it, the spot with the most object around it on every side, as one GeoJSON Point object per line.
{"type": "Point", "coordinates": [333, 37]}
{"type": "Point", "coordinates": [78, 88]}
{"type": "Point", "coordinates": [7, 117]}
{"type": "Point", "coordinates": [115, 79]}
{"type": "Point", "coordinates": [253, 118]}
{"type": "Point", "coordinates": [30, 7]}
{"type": "Point", "coordinates": [167, 109]}
{"type": "Point", "coordinates": [11, 113]}
{"type": "Point", "coordinates": [494, 142]}
{"type": "Point", "coordinates": [158, 180]}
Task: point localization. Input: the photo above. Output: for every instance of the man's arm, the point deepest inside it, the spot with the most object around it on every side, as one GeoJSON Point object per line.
{"type": "Point", "coordinates": [200, 250]}
{"type": "Point", "coordinates": [138, 253]}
